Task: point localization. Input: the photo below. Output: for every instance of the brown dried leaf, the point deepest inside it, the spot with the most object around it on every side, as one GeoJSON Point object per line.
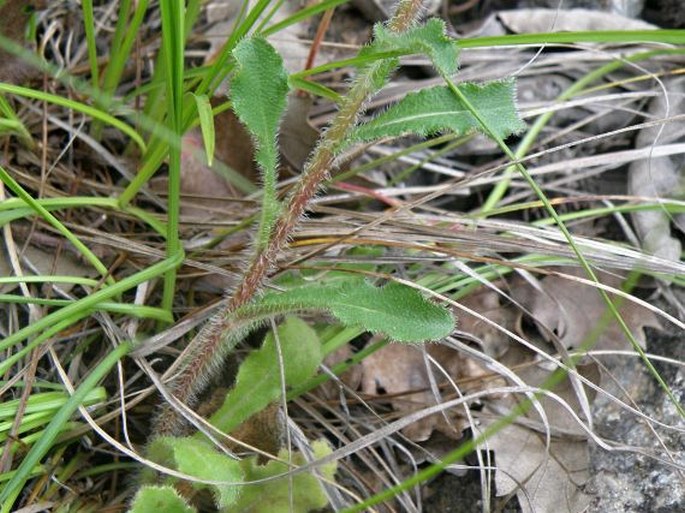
{"type": "Point", "coordinates": [551, 480]}
{"type": "Point", "coordinates": [486, 302]}
{"type": "Point", "coordinates": [14, 14]}
{"type": "Point", "coordinates": [557, 20]}
{"type": "Point", "coordinates": [571, 311]}
{"type": "Point", "coordinates": [198, 180]}
{"type": "Point", "coordinates": [234, 144]}
{"type": "Point", "coordinates": [351, 377]}
{"type": "Point", "coordinates": [207, 187]}
{"type": "Point", "coordinates": [400, 371]}
{"type": "Point", "coordinates": [297, 136]}
{"type": "Point", "coordinates": [546, 481]}
{"type": "Point", "coordinates": [45, 263]}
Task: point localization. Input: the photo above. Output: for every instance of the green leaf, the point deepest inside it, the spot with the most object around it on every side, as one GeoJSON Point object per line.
{"type": "Point", "coordinates": [155, 499]}
{"type": "Point", "coordinates": [258, 383]}
{"type": "Point", "coordinates": [429, 39]}
{"type": "Point", "coordinates": [437, 109]}
{"type": "Point", "coordinates": [199, 459]}
{"type": "Point", "coordinates": [398, 311]}
{"type": "Point", "coordinates": [275, 496]}
{"type": "Point", "coordinates": [204, 111]}
{"type": "Point", "coordinates": [258, 93]}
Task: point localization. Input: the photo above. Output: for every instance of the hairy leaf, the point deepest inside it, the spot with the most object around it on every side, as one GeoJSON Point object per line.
{"type": "Point", "coordinates": [301, 493]}
{"type": "Point", "coordinates": [258, 93]}
{"type": "Point", "coordinates": [199, 459]}
{"type": "Point", "coordinates": [429, 39]}
{"type": "Point", "coordinates": [437, 109]}
{"type": "Point", "coordinates": [259, 378]}
{"type": "Point", "coordinates": [396, 310]}
{"type": "Point", "coordinates": [155, 499]}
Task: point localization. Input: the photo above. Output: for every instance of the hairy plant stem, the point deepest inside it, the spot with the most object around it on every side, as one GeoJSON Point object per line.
{"type": "Point", "coordinates": [207, 350]}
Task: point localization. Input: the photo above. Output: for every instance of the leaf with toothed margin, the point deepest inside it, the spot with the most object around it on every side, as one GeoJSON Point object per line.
{"type": "Point", "coordinates": [437, 109]}
{"type": "Point", "coordinates": [396, 310]}
{"type": "Point", "coordinates": [429, 39]}
{"type": "Point", "coordinates": [258, 93]}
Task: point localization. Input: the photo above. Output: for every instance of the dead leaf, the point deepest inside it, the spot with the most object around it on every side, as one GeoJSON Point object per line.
{"type": "Point", "coordinates": [486, 302]}
{"type": "Point", "coordinates": [14, 14]}
{"type": "Point", "coordinates": [351, 377]}
{"type": "Point", "coordinates": [400, 371]}
{"type": "Point", "coordinates": [660, 177]}
{"type": "Point", "coordinates": [546, 480]}
{"type": "Point", "coordinates": [204, 187]}
{"type": "Point", "coordinates": [571, 311]}
{"type": "Point", "coordinates": [201, 186]}
{"type": "Point", "coordinates": [233, 144]}
{"type": "Point", "coordinates": [552, 481]}
{"type": "Point", "coordinates": [297, 136]}
{"type": "Point", "coordinates": [564, 20]}
{"type": "Point", "coordinates": [46, 262]}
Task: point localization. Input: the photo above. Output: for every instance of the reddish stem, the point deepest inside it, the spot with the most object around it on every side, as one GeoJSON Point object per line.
{"type": "Point", "coordinates": [206, 351]}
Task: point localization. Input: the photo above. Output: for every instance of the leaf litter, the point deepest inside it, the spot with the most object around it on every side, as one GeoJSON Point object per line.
{"type": "Point", "coordinates": [564, 311]}
{"type": "Point", "coordinates": [543, 460]}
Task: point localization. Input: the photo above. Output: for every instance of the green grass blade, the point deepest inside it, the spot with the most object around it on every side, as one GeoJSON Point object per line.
{"type": "Point", "coordinates": [576, 250]}
{"type": "Point", "coordinates": [93, 112]}
{"type": "Point", "coordinates": [138, 311]}
{"type": "Point", "coordinates": [204, 111]}
{"type": "Point", "coordinates": [676, 37]}
{"type": "Point", "coordinates": [13, 123]}
{"type": "Point", "coordinates": [11, 490]}
{"type": "Point", "coordinates": [52, 220]}
{"type": "Point", "coordinates": [302, 15]}
{"type": "Point", "coordinates": [122, 43]}
{"type": "Point", "coordinates": [314, 88]}
{"type": "Point", "coordinates": [89, 27]}
{"type": "Point", "coordinates": [71, 280]}
{"type": "Point", "coordinates": [80, 308]}
{"type": "Point", "coordinates": [47, 401]}
{"type": "Point", "coordinates": [120, 54]}
{"type": "Point", "coordinates": [173, 41]}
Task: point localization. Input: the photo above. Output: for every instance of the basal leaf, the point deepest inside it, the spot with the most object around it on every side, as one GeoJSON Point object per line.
{"type": "Point", "coordinates": [398, 311]}
{"type": "Point", "coordinates": [258, 92]}
{"type": "Point", "coordinates": [437, 109]}
{"type": "Point", "coordinates": [259, 378]}
{"type": "Point", "coordinates": [199, 459]}
{"type": "Point", "coordinates": [301, 493]}
{"type": "Point", "coordinates": [155, 499]}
